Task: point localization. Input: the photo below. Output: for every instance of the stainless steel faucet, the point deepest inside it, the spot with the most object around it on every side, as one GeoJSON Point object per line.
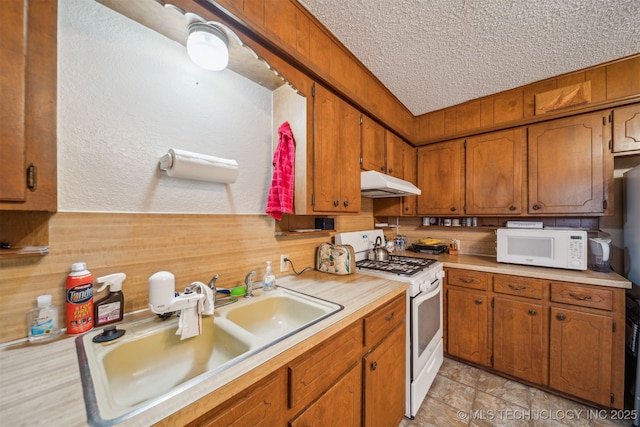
{"type": "Point", "coordinates": [248, 282]}
{"type": "Point", "coordinates": [212, 285]}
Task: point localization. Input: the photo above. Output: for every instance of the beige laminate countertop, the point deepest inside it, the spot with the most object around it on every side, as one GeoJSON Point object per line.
{"type": "Point", "coordinates": [490, 265]}
{"type": "Point", "coordinates": [41, 383]}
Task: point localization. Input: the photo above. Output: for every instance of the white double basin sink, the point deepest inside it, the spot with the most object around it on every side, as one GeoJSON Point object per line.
{"type": "Point", "coordinates": [150, 363]}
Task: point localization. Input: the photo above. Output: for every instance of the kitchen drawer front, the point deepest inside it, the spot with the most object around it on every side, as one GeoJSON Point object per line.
{"type": "Point", "coordinates": [381, 322]}
{"type": "Point", "coordinates": [582, 296]}
{"type": "Point", "coordinates": [519, 286]}
{"type": "Point", "coordinates": [468, 279]}
{"type": "Point", "coordinates": [319, 368]}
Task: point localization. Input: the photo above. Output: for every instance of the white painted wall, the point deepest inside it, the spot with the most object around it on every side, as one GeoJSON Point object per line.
{"type": "Point", "coordinates": [126, 95]}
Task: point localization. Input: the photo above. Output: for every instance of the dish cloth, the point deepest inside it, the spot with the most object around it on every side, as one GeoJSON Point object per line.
{"type": "Point", "coordinates": [280, 199]}
{"type": "Point", "coordinates": [207, 304]}
{"type": "Point", "coordinates": [190, 322]}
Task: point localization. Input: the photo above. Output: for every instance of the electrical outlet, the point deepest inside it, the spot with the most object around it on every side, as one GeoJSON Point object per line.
{"type": "Point", "coordinates": [284, 265]}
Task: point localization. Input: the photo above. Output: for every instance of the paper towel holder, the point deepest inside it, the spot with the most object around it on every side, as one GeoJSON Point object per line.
{"type": "Point", "coordinates": [200, 167]}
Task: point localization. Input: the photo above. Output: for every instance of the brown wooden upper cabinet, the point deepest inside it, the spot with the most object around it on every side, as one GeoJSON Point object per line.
{"type": "Point", "coordinates": [373, 145]}
{"type": "Point", "coordinates": [494, 164]}
{"type": "Point", "coordinates": [28, 108]}
{"type": "Point", "coordinates": [336, 166]}
{"type": "Point", "coordinates": [570, 166]}
{"type": "Point", "coordinates": [382, 150]}
{"type": "Point", "coordinates": [626, 129]}
{"type": "Point", "coordinates": [441, 179]}
{"type": "Point", "coordinates": [394, 154]}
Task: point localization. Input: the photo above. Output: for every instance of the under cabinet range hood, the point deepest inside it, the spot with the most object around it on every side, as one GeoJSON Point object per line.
{"type": "Point", "coordinates": [377, 185]}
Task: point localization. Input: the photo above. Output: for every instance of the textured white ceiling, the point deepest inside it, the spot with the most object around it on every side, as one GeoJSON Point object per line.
{"type": "Point", "coordinates": [433, 54]}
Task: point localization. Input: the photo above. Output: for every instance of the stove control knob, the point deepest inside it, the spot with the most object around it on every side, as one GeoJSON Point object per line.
{"type": "Point", "coordinates": [440, 274]}
{"type": "Point", "coordinates": [424, 286]}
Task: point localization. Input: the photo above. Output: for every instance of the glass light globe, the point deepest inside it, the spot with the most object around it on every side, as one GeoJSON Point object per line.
{"type": "Point", "coordinates": [207, 47]}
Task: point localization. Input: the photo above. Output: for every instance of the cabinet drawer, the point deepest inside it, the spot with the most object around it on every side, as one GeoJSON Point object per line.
{"type": "Point", "coordinates": [319, 368]}
{"type": "Point", "coordinates": [582, 296]}
{"type": "Point", "coordinates": [381, 322]}
{"type": "Point", "coordinates": [468, 279]}
{"type": "Point", "coordinates": [520, 286]}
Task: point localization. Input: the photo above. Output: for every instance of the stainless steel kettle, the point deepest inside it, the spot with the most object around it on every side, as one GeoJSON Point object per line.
{"type": "Point", "coordinates": [379, 252]}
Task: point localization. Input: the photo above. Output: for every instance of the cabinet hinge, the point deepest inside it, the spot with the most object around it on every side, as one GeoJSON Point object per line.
{"type": "Point", "coordinates": [465, 144]}
{"type": "Point", "coordinates": [613, 398]}
{"type": "Point", "coordinates": [604, 120]}
{"type": "Point", "coordinates": [491, 307]}
{"type": "Point", "coordinates": [313, 90]}
{"type": "Point", "coordinates": [610, 145]}
{"type": "Point", "coordinates": [361, 160]}
{"type": "Point", "coordinates": [610, 117]}
{"type": "Point", "coordinates": [361, 121]}
{"type": "Point", "coordinates": [613, 327]}
{"type": "Point", "coordinates": [492, 360]}
{"type": "Point", "coordinates": [32, 177]}
{"type": "Point", "coordinates": [313, 199]}
{"type": "Point", "coordinates": [604, 205]}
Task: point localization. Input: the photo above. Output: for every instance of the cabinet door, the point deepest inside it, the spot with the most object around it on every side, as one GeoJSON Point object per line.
{"type": "Point", "coordinates": [409, 203]}
{"type": "Point", "coordinates": [264, 404]}
{"type": "Point", "coordinates": [336, 171]}
{"type": "Point", "coordinates": [566, 163]}
{"type": "Point", "coordinates": [580, 354]}
{"type": "Point", "coordinates": [467, 326]}
{"type": "Point", "coordinates": [626, 129]}
{"type": "Point", "coordinates": [372, 145]}
{"type": "Point", "coordinates": [440, 177]}
{"type": "Point", "coordinates": [28, 82]}
{"type": "Point", "coordinates": [395, 155]}
{"type": "Point", "coordinates": [494, 173]}
{"type": "Point", "coordinates": [341, 405]}
{"type": "Point", "coordinates": [519, 340]}
{"type": "Point", "coordinates": [384, 381]}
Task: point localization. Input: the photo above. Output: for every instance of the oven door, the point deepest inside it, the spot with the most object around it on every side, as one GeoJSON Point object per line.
{"type": "Point", "coordinates": [426, 350]}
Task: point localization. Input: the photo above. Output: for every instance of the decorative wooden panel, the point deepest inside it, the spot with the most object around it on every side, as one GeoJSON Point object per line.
{"type": "Point", "coordinates": [564, 97]}
{"type": "Point", "coordinates": [623, 78]}
{"type": "Point", "coordinates": [626, 129]}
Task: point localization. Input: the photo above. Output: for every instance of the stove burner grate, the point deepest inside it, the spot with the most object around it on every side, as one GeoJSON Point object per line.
{"type": "Point", "coordinates": [400, 265]}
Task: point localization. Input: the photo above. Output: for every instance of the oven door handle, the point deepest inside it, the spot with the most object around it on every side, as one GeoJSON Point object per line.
{"type": "Point", "coordinates": [433, 291]}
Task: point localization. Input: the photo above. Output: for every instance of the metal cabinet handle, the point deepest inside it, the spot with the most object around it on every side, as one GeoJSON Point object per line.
{"type": "Point", "coordinates": [346, 203]}
{"type": "Point", "coordinates": [382, 168]}
{"type": "Point", "coordinates": [453, 208]}
{"type": "Point", "coordinates": [533, 312]}
{"type": "Point", "coordinates": [580, 297]}
{"type": "Point", "coordinates": [536, 207]}
{"type": "Point", "coordinates": [374, 366]}
{"type": "Point", "coordinates": [561, 316]}
{"type": "Point", "coordinates": [516, 287]}
{"type": "Point", "coordinates": [390, 318]}
{"type": "Point", "coordinates": [390, 170]}
{"type": "Point", "coordinates": [512, 208]}
{"type": "Point", "coordinates": [478, 301]}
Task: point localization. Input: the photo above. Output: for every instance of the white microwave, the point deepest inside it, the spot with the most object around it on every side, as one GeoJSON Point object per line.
{"type": "Point", "coordinates": [558, 248]}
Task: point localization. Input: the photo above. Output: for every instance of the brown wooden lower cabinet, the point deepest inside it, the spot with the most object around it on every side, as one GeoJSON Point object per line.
{"type": "Point", "coordinates": [519, 345]}
{"type": "Point", "coordinates": [339, 406]}
{"type": "Point", "coordinates": [384, 381]}
{"type": "Point", "coordinates": [468, 320]}
{"type": "Point", "coordinates": [580, 362]}
{"type": "Point", "coordinates": [565, 336]}
{"type": "Point", "coordinates": [263, 404]}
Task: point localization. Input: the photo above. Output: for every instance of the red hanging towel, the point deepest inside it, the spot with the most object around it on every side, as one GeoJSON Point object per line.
{"type": "Point", "coordinates": [280, 198]}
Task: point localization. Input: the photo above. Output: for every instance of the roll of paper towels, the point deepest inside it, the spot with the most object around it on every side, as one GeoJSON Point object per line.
{"type": "Point", "coordinates": [186, 164]}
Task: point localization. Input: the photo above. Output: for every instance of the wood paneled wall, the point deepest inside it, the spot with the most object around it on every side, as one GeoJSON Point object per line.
{"type": "Point", "coordinates": [193, 247]}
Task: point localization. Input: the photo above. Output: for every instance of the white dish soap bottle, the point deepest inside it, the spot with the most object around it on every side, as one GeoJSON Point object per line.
{"type": "Point", "coordinates": [269, 280]}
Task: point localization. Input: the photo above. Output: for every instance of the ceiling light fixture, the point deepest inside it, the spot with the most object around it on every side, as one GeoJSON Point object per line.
{"type": "Point", "coordinates": [208, 46]}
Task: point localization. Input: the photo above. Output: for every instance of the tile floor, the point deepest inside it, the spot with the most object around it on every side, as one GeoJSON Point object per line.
{"type": "Point", "coordinates": [462, 395]}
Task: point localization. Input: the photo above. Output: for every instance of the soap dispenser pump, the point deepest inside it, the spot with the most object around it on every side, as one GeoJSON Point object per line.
{"type": "Point", "coordinates": [110, 308]}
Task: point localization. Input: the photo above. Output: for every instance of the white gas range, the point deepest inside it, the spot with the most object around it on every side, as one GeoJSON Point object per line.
{"type": "Point", "coordinates": [424, 309]}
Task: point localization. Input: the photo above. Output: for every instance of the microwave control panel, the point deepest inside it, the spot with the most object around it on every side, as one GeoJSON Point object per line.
{"type": "Point", "coordinates": [577, 251]}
